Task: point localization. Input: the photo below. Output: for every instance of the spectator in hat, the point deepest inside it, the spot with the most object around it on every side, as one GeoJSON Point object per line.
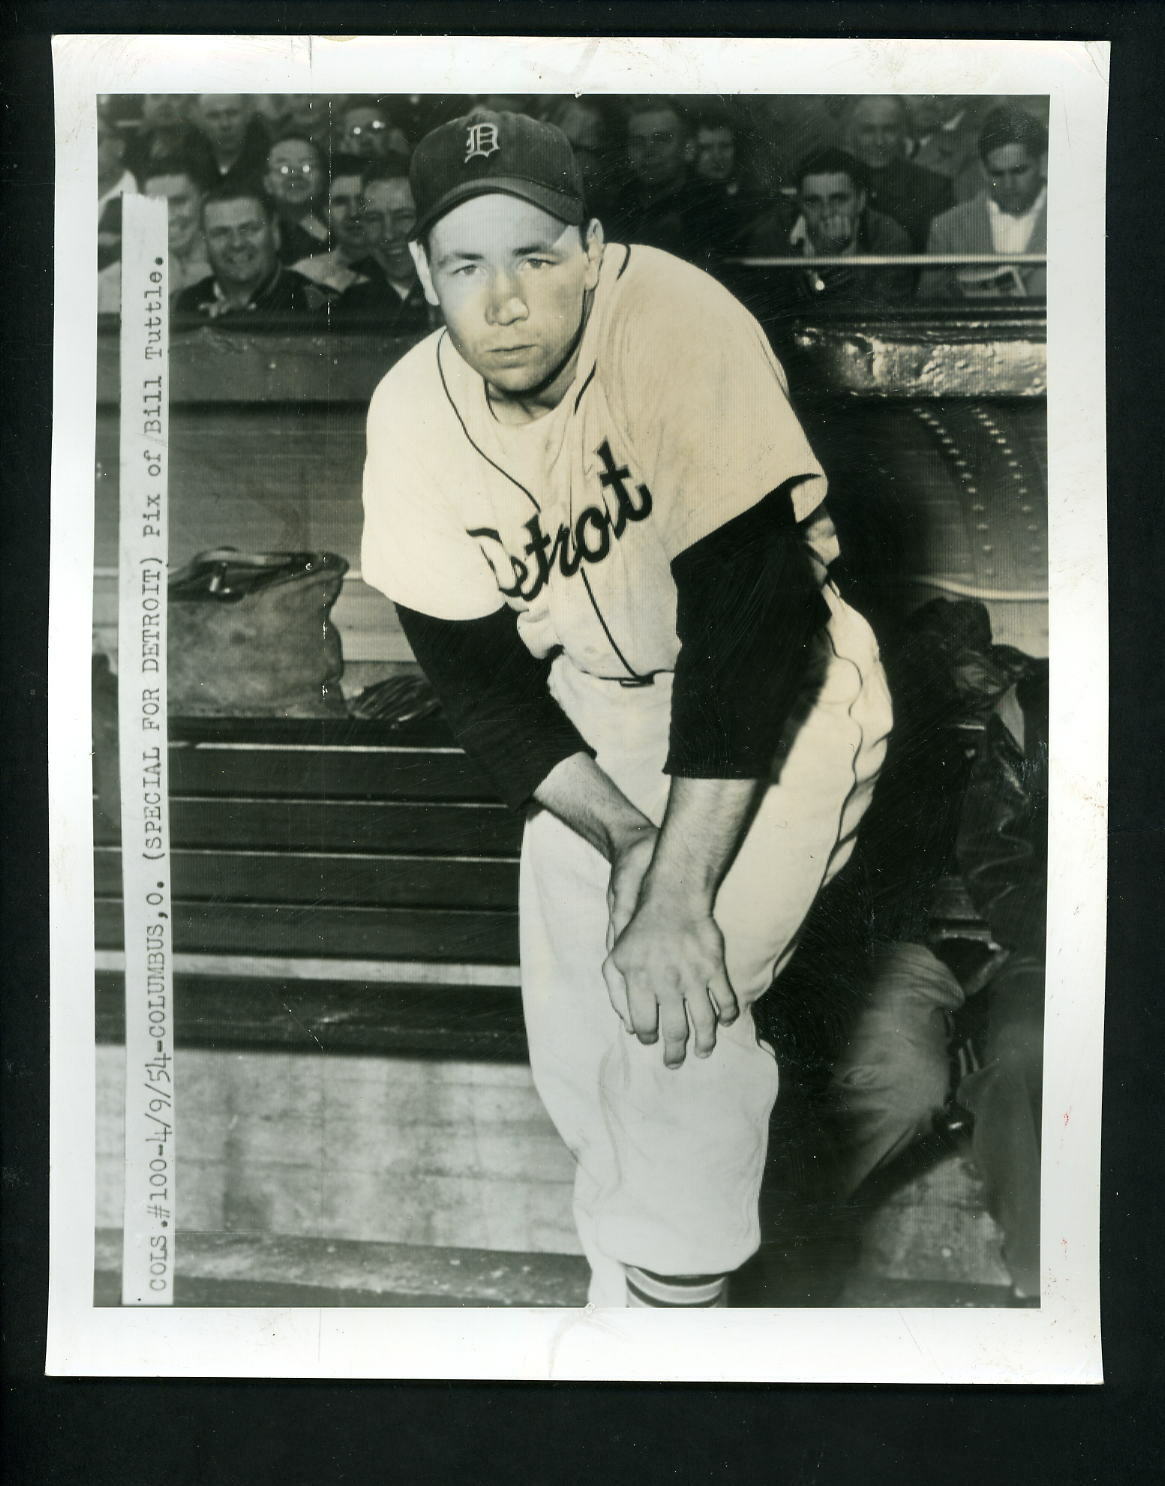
{"type": "Point", "coordinates": [1009, 215]}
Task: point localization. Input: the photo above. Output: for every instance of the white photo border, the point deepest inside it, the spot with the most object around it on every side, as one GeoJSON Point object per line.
{"type": "Point", "coordinates": [1060, 1342]}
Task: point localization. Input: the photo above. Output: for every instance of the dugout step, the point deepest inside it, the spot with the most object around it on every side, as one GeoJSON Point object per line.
{"type": "Point", "coordinates": [248, 1270]}
{"type": "Point", "coordinates": [231, 1269]}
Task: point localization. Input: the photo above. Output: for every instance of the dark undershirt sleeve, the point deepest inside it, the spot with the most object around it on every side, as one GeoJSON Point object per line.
{"type": "Point", "coordinates": [495, 698]}
{"type": "Point", "coordinates": [748, 605]}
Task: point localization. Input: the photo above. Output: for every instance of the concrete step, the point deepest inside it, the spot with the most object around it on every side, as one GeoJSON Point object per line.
{"type": "Point", "coordinates": [236, 1269]}
{"type": "Point", "coordinates": [926, 1220]}
{"type": "Point", "coordinates": [350, 1272]}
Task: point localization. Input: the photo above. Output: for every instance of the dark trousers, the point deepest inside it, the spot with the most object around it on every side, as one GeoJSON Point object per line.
{"type": "Point", "coordinates": [1005, 1095]}
{"type": "Point", "coordinates": [894, 1075]}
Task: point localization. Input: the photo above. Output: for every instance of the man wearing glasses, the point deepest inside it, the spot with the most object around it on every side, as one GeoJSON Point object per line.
{"type": "Point", "coordinates": [367, 131]}
{"type": "Point", "coordinates": [293, 180]}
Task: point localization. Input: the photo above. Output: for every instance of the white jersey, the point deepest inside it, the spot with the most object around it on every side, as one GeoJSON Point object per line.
{"type": "Point", "coordinates": [677, 421]}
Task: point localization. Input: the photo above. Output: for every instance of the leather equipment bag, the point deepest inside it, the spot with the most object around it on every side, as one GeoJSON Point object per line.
{"type": "Point", "coordinates": [250, 635]}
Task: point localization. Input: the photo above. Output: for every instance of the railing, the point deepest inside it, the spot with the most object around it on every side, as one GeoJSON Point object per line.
{"type": "Point", "coordinates": [890, 260]}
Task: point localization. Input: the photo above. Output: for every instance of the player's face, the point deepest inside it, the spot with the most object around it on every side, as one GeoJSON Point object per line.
{"type": "Point", "coordinates": [511, 281]}
{"type": "Point", "coordinates": [1013, 178]}
{"type": "Point", "coordinates": [878, 132]}
{"type": "Point", "coordinates": [182, 202]}
{"type": "Point", "coordinates": [240, 241]}
{"type": "Point", "coordinates": [389, 217]}
{"type": "Point", "coordinates": [715, 153]}
{"type": "Point", "coordinates": [293, 173]}
{"type": "Point", "coordinates": [831, 206]}
{"type": "Point", "coordinates": [345, 212]}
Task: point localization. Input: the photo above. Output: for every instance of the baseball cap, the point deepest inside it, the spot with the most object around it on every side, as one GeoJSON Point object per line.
{"type": "Point", "coordinates": [486, 152]}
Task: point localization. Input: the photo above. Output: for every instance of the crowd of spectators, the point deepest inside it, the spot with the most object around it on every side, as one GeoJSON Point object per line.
{"type": "Point", "coordinates": [301, 202]}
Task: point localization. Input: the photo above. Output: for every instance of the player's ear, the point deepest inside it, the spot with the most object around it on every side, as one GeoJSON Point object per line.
{"type": "Point", "coordinates": [593, 246]}
{"type": "Point", "coordinates": [421, 262]}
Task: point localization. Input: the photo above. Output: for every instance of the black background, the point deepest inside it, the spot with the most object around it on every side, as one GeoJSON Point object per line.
{"type": "Point", "coordinates": [205, 1433]}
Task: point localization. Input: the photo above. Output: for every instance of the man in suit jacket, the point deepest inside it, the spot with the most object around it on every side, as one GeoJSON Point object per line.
{"type": "Point", "coordinates": [877, 131]}
{"type": "Point", "coordinates": [945, 129]}
{"type": "Point", "coordinates": [231, 140]}
{"type": "Point", "coordinates": [1008, 215]}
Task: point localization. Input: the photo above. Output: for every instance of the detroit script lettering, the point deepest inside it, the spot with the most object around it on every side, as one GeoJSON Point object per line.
{"type": "Point", "coordinates": [589, 540]}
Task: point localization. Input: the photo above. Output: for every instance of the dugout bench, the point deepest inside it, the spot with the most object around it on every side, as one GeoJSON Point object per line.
{"type": "Point", "coordinates": [337, 886]}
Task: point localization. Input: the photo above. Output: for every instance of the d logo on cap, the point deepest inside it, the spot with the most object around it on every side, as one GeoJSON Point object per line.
{"type": "Point", "coordinates": [499, 152]}
{"type": "Point", "coordinates": [481, 140]}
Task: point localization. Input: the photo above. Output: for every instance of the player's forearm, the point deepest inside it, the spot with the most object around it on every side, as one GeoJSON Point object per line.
{"type": "Point", "coordinates": [588, 800]}
{"type": "Point", "coordinates": [495, 698]}
{"type": "Point", "coordinates": [705, 820]}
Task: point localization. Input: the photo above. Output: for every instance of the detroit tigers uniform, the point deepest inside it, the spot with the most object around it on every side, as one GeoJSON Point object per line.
{"type": "Point", "coordinates": [678, 421]}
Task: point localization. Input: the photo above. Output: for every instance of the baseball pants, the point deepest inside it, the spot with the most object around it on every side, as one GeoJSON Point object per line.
{"type": "Point", "coordinates": [669, 1161]}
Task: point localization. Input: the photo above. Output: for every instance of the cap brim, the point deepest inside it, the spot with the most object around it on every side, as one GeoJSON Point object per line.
{"type": "Point", "coordinates": [568, 209]}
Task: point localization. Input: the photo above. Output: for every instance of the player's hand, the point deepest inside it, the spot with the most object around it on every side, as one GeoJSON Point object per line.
{"type": "Point", "coordinates": [629, 866]}
{"type": "Point", "coordinates": [667, 967]}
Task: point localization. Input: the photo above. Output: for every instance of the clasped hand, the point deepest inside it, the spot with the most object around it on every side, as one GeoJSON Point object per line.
{"type": "Point", "coordinates": [664, 970]}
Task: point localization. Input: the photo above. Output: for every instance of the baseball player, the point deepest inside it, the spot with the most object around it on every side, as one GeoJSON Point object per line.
{"type": "Point", "coordinates": [603, 530]}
